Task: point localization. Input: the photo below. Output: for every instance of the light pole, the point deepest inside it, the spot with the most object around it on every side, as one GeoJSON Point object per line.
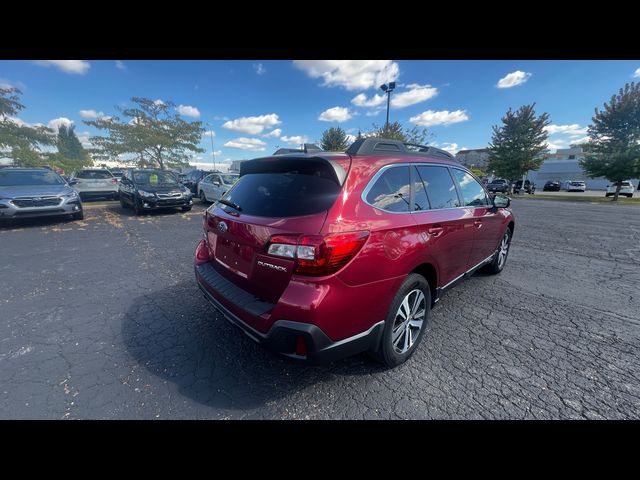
{"type": "Point", "coordinates": [213, 153]}
{"type": "Point", "coordinates": [388, 89]}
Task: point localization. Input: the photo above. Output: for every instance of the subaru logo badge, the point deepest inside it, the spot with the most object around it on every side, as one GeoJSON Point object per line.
{"type": "Point", "coordinates": [222, 227]}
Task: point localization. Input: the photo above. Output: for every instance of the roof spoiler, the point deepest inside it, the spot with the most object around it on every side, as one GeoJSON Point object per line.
{"type": "Point", "coordinates": [306, 148]}
{"type": "Point", "coordinates": [384, 146]}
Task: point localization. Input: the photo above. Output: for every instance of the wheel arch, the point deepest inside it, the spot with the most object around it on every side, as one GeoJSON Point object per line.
{"type": "Point", "coordinates": [430, 273]}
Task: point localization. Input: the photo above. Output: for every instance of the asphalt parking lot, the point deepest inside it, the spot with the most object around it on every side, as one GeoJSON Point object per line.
{"type": "Point", "coordinates": [102, 319]}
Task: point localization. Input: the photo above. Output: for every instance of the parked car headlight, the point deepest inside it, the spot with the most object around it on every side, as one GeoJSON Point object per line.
{"type": "Point", "coordinates": [72, 194]}
{"type": "Point", "coordinates": [144, 194]}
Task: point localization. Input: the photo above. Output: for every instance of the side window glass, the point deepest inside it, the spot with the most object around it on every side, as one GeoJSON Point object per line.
{"type": "Point", "coordinates": [391, 191]}
{"type": "Point", "coordinates": [420, 198]}
{"type": "Point", "coordinates": [472, 192]}
{"type": "Point", "coordinates": [440, 187]}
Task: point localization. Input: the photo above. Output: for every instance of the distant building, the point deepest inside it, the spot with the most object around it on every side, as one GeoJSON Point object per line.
{"type": "Point", "coordinates": [478, 157]}
{"type": "Point", "coordinates": [235, 165]}
{"type": "Point", "coordinates": [564, 165]}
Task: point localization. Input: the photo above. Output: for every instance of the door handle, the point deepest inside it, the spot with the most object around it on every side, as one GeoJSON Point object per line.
{"type": "Point", "coordinates": [477, 223]}
{"type": "Point", "coordinates": [435, 230]}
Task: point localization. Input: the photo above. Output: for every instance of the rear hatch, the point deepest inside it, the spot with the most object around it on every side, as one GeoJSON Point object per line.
{"type": "Point", "coordinates": [276, 196]}
{"type": "Point", "coordinates": [95, 180]}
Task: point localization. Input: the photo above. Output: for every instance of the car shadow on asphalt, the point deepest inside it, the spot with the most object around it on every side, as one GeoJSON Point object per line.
{"type": "Point", "coordinates": [178, 336]}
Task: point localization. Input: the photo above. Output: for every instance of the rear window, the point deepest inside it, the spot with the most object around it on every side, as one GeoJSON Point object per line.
{"type": "Point", "coordinates": [93, 174]}
{"type": "Point", "coordinates": [283, 194]}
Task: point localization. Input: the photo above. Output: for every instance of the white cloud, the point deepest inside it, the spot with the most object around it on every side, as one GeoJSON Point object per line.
{"type": "Point", "coordinates": [335, 114]}
{"type": "Point", "coordinates": [188, 111]}
{"type": "Point", "coordinates": [243, 143]}
{"type": "Point", "coordinates": [158, 102]}
{"type": "Point", "coordinates": [84, 139]}
{"type": "Point", "coordinates": [259, 68]}
{"type": "Point", "coordinates": [209, 134]}
{"type": "Point", "coordinates": [512, 79]}
{"type": "Point", "coordinates": [372, 113]}
{"type": "Point", "coordinates": [415, 94]}
{"type": "Point", "coordinates": [274, 133]}
{"type": "Point", "coordinates": [452, 147]}
{"type": "Point", "coordinates": [91, 114]}
{"type": "Point", "coordinates": [361, 100]}
{"type": "Point", "coordinates": [120, 65]}
{"type": "Point", "coordinates": [79, 67]}
{"type": "Point", "coordinates": [350, 74]}
{"type": "Point", "coordinates": [443, 117]}
{"type": "Point", "coordinates": [296, 140]}
{"type": "Point", "coordinates": [351, 138]}
{"type": "Point", "coordinates": [57, 122]}
{"type": "Point", "coordinates": [636, 74]}
{"type": "Point", "coordinates": [572, 130]}
{"type": "Point", "coordinates": [252, 125]}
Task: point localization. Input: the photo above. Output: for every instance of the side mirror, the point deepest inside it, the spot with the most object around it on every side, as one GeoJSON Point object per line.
{"type": "Point", "coordinates": [216, 183]}
{"type": "Point", "coordinates": [501, 201]}
{"type": "Point", "coordinates": [73, 182]}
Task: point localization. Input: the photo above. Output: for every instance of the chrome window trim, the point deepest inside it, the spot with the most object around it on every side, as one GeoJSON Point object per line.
{"type": "Point", "coordinates": [417, 164]}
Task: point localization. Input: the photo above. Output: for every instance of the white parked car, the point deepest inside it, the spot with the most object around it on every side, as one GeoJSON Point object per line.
{"type": "Point", "coordinates": [95, 183]}
{"type": "Point", "coordinates": [214, 186]}
{"type": "Point", "coordinates": [576, 186]}
{"type": "Point", "coordinates": [626, 189]}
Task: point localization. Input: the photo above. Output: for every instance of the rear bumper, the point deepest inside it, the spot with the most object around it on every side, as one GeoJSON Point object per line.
{"type": "Point", "coordinates": [282, 336]}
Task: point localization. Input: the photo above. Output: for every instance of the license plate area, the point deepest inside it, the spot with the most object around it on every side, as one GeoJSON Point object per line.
{"type": "Point", "coordinates": [236, 257]}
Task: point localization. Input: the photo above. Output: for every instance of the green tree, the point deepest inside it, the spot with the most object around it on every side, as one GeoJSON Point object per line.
{"type": "Point", "coordinates": [395, 131]}
{"type": "Point", "coordinates": [613, 150]}
{"type": "Point", "coordinates": [71, 154]}
{"type": "Point", "coordinates": [334, 139]}
{"type": "Point", "coordinates": [153, 134]}
{"type": "Point", "coordinates": [519, 144]}
{"type": "Point", "coordinates": [18, 141]}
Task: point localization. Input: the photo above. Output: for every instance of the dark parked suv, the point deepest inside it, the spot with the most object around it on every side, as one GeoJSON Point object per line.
{"type": "Point", "coordinates": [322, 255]}
{"type": "Point", "coordinates": [498, 185]}
{"type": "Point", "coordinates": [150, 189]}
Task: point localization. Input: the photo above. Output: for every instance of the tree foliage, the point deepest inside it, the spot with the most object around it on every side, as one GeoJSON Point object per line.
{"type": "Point", "coordinates": [518, 145]}
{"type": "Point", "coordinates": [19, 141]}
{"type": "Point", "coordinates": [613, 151]}
{"type": "Point", "coordinates": [71, 154]}
{"type": "Point", "coordinates": [153, 134]}
{"type": "Point", "coordinates": [334, 139]}
{"type": "Point", "coordinates": [395, 131]}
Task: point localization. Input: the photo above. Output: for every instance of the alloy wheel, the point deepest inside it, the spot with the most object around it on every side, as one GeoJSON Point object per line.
{"type": "Point", "coordinates": [408, 321]}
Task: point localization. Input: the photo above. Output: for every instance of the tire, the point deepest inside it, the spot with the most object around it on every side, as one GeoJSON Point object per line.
{"type": "Point", "coordinates": [607, 194]}
{"type": "Point", "coordinates": [78, 215]}
{"type": "Point", "coordinates": [186, 209]}
{"type": "Point", "coordinates": [499, 261]}
{"type": "Point", "coordinates": [415, 289]}
{"type": "Point", "coordinates": [630, 195]}
{"type": "Point", "coordinates": [123, 204]}
{"type": "Point", "coordinates": [136, 207]}
{"type": "Point", "coordinates": [203, 197]}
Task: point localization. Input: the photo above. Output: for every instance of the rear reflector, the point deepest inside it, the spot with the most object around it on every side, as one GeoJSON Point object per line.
{"type": "Point", "coordinates": [318, 255]}
{"type": "Point", "coordinates": [301, 346]}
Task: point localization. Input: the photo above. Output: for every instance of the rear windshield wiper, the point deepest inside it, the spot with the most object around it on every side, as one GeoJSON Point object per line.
{"type": "Point", "coordinates": [233, 205]}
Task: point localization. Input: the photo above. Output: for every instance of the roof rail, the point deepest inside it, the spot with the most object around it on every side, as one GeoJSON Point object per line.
{"type": "Point", "coordinates": [306, 148]}
{"type": "Point", "coordinates": [384, 146]}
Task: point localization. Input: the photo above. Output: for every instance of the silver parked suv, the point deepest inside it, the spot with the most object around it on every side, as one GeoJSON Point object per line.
{"type": "Point", "coordinates": [95, 183]}
{"type": "Point", "coordinates": [36, 192]}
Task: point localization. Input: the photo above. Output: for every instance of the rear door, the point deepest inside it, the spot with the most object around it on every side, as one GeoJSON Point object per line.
{"type": "Point", "coordinates": [446, 227]}
{"type": "Point", "coordinates": [486, 222]}
{"type": "Point", "coordinates": [276, 197]}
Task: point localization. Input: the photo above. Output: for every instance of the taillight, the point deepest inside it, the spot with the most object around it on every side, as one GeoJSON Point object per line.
{"type": "Point", "coordinates": [114, 180]}
{"type": "Point", "coordinates": [202, 253]}
{"type": "Point", "coordinates": [318, 254]}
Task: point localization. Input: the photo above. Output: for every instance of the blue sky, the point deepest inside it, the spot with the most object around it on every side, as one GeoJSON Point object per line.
{"type": "Point", "coordinates": [255, 106]}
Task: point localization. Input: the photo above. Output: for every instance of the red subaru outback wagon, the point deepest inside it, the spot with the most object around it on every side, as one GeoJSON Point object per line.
{"type": "Point", "coordinates": [321, 255]}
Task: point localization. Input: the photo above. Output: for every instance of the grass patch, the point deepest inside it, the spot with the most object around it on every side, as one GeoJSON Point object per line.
{"type": "Point", "coordinates": [575, 198]}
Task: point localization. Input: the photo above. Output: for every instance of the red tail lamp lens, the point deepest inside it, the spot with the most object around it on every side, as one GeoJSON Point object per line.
{"type": "Point", "coordinates": [202, 253]}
